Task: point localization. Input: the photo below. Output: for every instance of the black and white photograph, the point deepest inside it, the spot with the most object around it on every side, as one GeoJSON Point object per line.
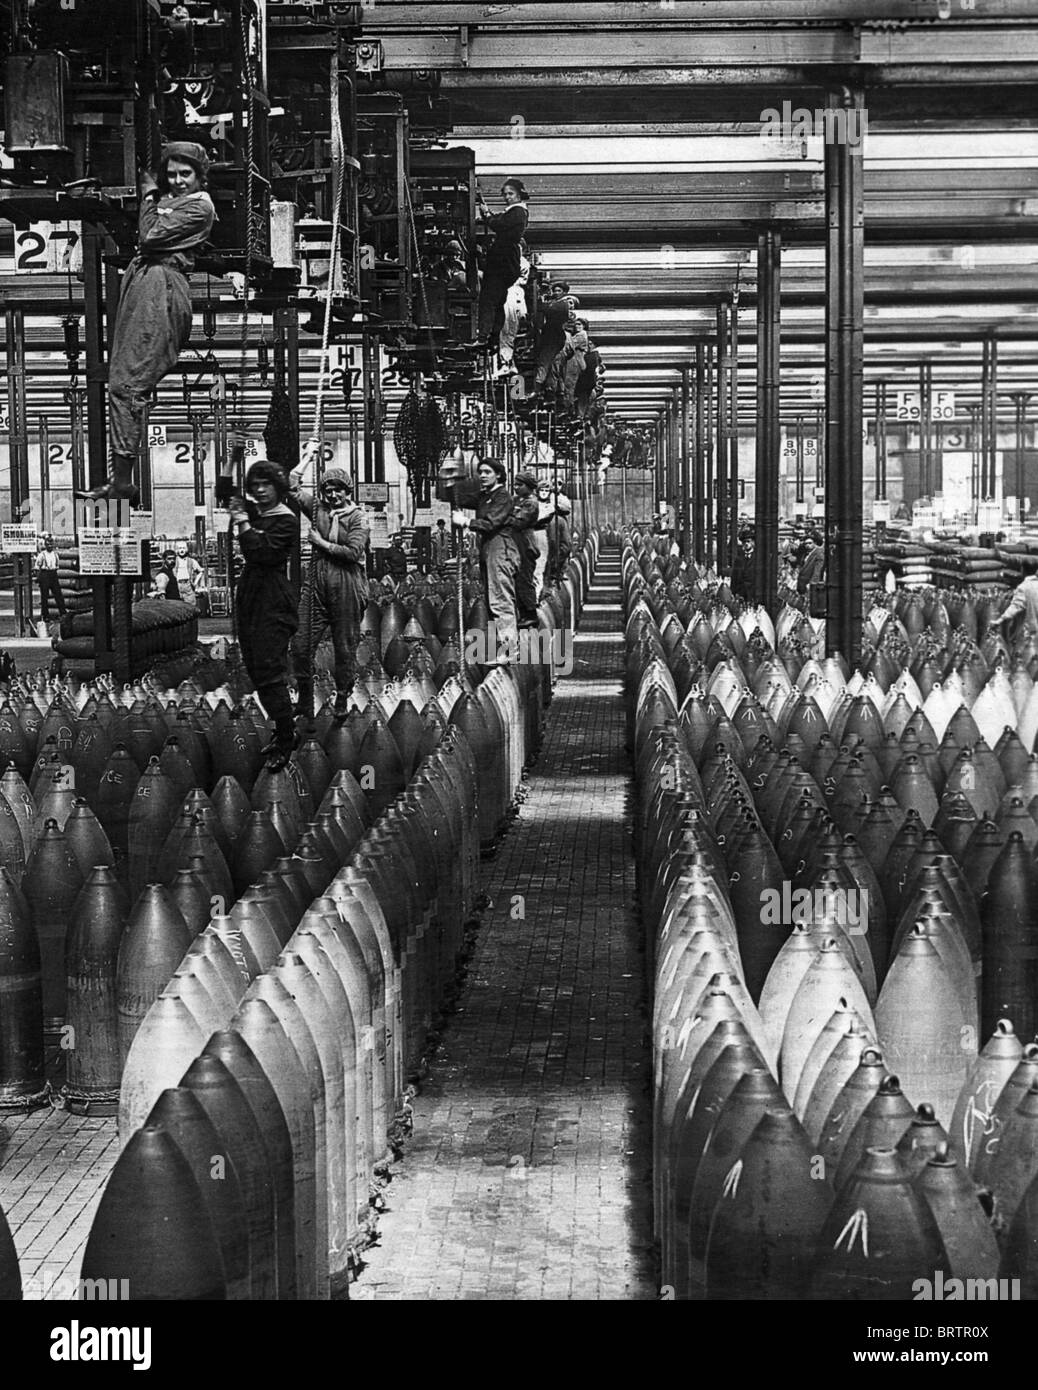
{"type": "Point", "coordinates": [518, 678]}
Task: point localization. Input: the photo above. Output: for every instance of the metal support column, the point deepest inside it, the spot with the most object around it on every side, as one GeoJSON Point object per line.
{"type": "Point", "coordinates": [676, 464]}
{"type": "Point", "coordinates": [660, 471]}
{"type": "Point", "coordinates": [709, 488]}
{"type": "Point", "coordinates": [98, 290]}
{"type": "Point", "coordinates": [1020, 399]}
{"type": "Point", "coordinates": [844, 319]}
{"type": "Point", "coordinates": [975, 413]}
{"type": "Point", "coordinates": [698, 458]}
{"type": "Point", "coordinates": [881, 441]}
{"type": "Point", "coordinates": [685, 486]}
{"type": "Point", "coordinates": [926, 487]}
{"type": "Point", "coordinates": [989, 420]}
{"type": "Point", "coordinates": [723, 558]}
{"type": "Point", "coordinates": [733, 428]}
{"type": "Point", "coordinates": [769, 440]}
{"type": "Point", "coordinates": [18, 437]}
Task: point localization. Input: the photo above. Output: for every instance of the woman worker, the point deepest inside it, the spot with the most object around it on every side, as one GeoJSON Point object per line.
{"type": "Point", "coordinates": [153, 321]}
{"type": "Point", "coordinates": [335, 592]}
{"type": "Point", "coordinates": [503, 262]}
{"type": "Point", "coordinates": [499, 555]}
{"type": "Point", "coordinates": [266, 605]}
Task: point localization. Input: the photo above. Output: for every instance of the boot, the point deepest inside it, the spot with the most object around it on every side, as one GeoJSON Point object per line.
{"type": "Point", "coordinates": [286, 741]}
{"type": "Point", "coordinates": [341, 708]}
{"type": "Point", "coordinates": [119, 484]}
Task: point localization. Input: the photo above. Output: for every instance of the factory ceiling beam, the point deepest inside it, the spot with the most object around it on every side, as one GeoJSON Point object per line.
{"type": "Point", "coordinates": [411, 14]}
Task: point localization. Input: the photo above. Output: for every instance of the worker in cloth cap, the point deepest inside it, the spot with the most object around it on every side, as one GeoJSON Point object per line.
{"type": "Point", "coordinates": [499, 555]}
{"type": "Point", "coordinates": [525, 516]}
{"type": "Point", "coordinates": [335, 592]}
{"type": "Point", "coordinates": [153, 321]}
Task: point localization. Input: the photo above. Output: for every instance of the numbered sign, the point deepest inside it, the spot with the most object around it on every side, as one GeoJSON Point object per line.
{"type": "Point", "coordinates": [49, 248]}
{"type": "Point", "coordinates": [59, 461]}
{"type": "Point", "coordinates": [5, 414]}
{"type": "Point", "coordinates": [789, 447]}
{"type": "Point", "coordinates": [156, 436]}
{"type": "Point", "coordinates": [942, 405]}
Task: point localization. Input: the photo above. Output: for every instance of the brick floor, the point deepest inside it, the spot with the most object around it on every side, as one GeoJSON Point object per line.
{"type": "Point", "coordinates": [53, 1168]}
{"type": "Point", "coordinates": [526, 1177]}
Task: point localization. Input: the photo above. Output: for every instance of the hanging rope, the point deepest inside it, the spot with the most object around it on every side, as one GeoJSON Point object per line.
{"type": "Point", "coordinates": [250, 170]}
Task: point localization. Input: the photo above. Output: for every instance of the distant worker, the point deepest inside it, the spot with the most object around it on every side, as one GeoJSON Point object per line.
{"type": "Point", "coordinates": [503, 265]}
{"type": "Point", "coordinates": [1025, 598]}
{"type": "Point", "coordinates": [47, 574]}
{"type": "Point", "coordinates": [266, 604]}
{"type": "Point", "coordinates": [153, 321]}
{"type": "Point", "coordinates": [539, 535]}
{"type": "Point", "coordinates": [396, 559]}
{"type": "Point", "coordinates": [514, 316]}
{"type": "Point", "coordinates": [335, 593]}
{"type": "Point", "coordinates": [188, 573]}
{"type": "Point", "coordinates": [165, 583]}
{"type": "Point", "coordinates": [741, 582]}
{"type": "Point", "coordinates": [499, 556]}
{"type": "Point", "coordinates": [812, 571]}
{"type": "Point", "coordinates": [441, 546]}
{"type": "Point", "coordinates": [525, 516]}
{"type": "Point", "coordinates": [560, 538]}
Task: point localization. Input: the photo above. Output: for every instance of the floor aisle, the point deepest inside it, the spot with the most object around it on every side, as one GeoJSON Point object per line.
{"type": "Point", "coordinates": [527, 1173]}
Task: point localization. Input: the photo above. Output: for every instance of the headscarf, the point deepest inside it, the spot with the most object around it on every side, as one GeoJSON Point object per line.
{"type": "Point", "coordinates": [188, 152]}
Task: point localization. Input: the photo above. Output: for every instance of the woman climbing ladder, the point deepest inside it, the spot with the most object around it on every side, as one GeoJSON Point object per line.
{"type": "Point", "coordinates": [153, 321]}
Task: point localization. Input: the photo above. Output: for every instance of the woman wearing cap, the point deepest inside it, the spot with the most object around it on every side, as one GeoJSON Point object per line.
{"type": "Point", "coordinates": [576, 348]}
{"type": "Point", "coordinates": [525, 517]}
{"type": "Point", "coordinates": [551, 338]}
{"type": "Point", "coordinates": [503, 261]}
{"type": "Point", "coordinates": [153, 321]}
{"type": "Point", "coordinates": [499, 556]}
{"type": "Point", "coordinates": [336, 591]}
{"type": "Point", "coordinates": [265, 602]}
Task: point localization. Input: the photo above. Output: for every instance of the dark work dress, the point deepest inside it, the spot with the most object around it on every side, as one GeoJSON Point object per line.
{"type": "Point", "coordinates": [267, 605]}
{"type": "Point", "coordinates": [502, 267]}
{"type": "Point", "coordinates": [153, 322]}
